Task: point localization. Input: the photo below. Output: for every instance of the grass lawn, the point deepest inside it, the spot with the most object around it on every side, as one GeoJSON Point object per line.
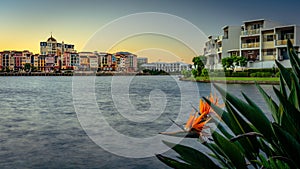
{"type": "Point", "coordinates": [269, 79]}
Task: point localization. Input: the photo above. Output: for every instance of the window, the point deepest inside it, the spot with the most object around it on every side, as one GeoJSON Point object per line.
{"type": "Point", "coordinates": [270, 38]}
{"type": "Point", "coordinates": [270, 51]}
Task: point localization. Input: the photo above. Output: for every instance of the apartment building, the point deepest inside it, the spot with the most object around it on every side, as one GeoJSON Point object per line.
{"type": "Point", "coordinates": [70, 60]}
{"type": "Point", "coordinates": [126, 61]}
{"type": "Point", "coordinates": [210, 52]}
{"type": "Point", "coordinates": [260, 41]}
{"type": "Point", "coordinates": [218, 47]}
{"type": "Point", "coordinates": [167, 67]}
{"type": "Point", "coordinates": [282, 33]}
{"type": "Point", "coordinates": [34, 60]}
{"type": "Point", "coordinates": [53, 48]}
{"type": "Point", "coordinates": [16, 60]}
{"type": "Point", "coordinates": [106, 61]}
{"type": "Point", "coordinates": [84, 61]}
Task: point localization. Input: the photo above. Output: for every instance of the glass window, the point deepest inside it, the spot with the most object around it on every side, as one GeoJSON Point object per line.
{"type": "Point", "coordinates": [270, 37]}
{"type": "Point", "coordinates": [270, 51]}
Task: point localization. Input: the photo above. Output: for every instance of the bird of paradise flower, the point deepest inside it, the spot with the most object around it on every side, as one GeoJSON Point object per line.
{"type": "Point", "coordinates": [198, 119]}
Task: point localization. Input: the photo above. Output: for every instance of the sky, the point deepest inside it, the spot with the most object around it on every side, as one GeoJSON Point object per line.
{"type": "Point", "coordinates": [26, 23]}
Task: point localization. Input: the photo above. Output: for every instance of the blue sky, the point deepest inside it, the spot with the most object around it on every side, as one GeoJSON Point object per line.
{"type": "Point", "coordinates": [25, 23]}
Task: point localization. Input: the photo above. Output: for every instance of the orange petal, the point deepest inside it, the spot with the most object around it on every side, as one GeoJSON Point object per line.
{"type": "Point", "coordinates": [201, 106]}
{"type": "Point", "coordinates": [200, 118]}
{"type": "Point", "coordinates": [199, 127]}
{"type": "Point", "coordinates": [190, 121]}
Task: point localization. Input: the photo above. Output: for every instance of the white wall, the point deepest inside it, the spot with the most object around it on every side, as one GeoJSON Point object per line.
{"type": "Point", "coordinates": [233, 41]}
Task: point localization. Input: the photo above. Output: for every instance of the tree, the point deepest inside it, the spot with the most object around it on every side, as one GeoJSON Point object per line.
{"type": "Point", "coordinates": [7, 69]}
{"type": "Point", "coordinates": [199, 64]}
{"type": "Point", "coordinates": [227, 63]}
{"type": "Point", "coordinates": [33, 68]}
{"type": "Point", "coordinates": [186, 73]}
{"type": "Point", "coordinates": [27, 67]}
{"type": "Point", "coordinates": [204, 73]}
{"type": "Point", "coordinates": [233, 61]}
{"type": "Point", "coordinates": [241, 61]}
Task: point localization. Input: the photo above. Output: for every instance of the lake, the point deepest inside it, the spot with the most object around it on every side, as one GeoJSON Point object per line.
{"type": "Point", "coordinates": [51, 122]}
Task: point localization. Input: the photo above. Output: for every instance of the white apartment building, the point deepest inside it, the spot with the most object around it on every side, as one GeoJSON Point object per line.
{"type": "Point", "coordinates": [218, 47]}
{"type": "Point", "coordinates": [167, 67]}
{"type": "Point", "coordinates": [210, 52]}
{"type": "Point", "coordinates": [260, 41]}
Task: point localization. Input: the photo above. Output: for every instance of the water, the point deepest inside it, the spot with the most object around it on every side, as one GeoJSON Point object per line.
{"type": "Point", "coordinates": [39, 127]}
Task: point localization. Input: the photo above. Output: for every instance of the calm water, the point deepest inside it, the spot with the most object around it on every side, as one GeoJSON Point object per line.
{"type": "Point", "coordinates": [39, 126]}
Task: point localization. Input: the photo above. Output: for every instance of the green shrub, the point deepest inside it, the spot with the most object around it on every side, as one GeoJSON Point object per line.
{"type": "Point", "coordinates": [277, 74]}
{"type": "Point", "coordinates": [228, 73]}
{"type": "Point", "coordinates": [271, 70]}
{"type": "Point", "coordinates": [253, 75]}
{"type": "Point", "coordinates": [239, 74]}
{"type": "Point", "coordinates": [267, 74]}
{"type": "Point", "coordinates": [186, 73]}
{"type": "Point", "coordinates": [261, 74]}
{"type": "Point", "coordinates": [204, 73]}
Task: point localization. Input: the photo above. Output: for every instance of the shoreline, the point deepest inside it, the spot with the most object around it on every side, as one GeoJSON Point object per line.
{"type": "Point", "coordinates": [78, 74]}
{"type": "Point", "coordinates": [257, 81]}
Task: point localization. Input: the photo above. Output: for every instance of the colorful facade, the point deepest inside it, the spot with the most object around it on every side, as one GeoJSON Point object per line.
{"type": "Point", "coordinates": [52, 48]}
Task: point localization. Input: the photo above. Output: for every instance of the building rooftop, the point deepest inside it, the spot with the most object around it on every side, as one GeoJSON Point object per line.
{"type": "Point", "coordinates": [51, 38]}
{"type": "Point", "coordinates": [254, 20]}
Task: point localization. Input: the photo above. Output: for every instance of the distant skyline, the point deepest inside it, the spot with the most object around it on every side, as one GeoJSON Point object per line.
{"type": "Point", "coordinates": [25, 23]}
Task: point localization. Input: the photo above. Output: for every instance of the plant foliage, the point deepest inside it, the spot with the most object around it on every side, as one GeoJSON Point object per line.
{"type": "Point", "coordinates": [245, 137]}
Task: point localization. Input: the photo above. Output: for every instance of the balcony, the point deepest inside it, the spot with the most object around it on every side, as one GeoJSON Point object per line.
{"type": "Point", "coordinates": [210, 52]}
{"type": "Point", "coordinates": [251, 32]}
{"type": "Point", "coordinates": [283, 42]}
{"type": "Point", "coordinates": [250, 45]}
{"type": "Point", "coordinates": [220, 38]}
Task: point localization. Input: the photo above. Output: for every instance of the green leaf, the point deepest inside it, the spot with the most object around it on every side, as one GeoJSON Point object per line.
{"type": "Point", "coordinates": [285, 74]}
{"type": "Point", "coordinates": [294, 94]}
{"type": "Point", "coordinates": [249, 146]}
{"type": "Point", "coordinates": [266, 147]}
{"type": "Point", "coordinates": [219, 154]}
{"type": "Point", "coordinates": [295, 62]}
{"type": "Point", "coordinates": [282, 87]}
{"type": "Point", "coordinates": [221, 127]}
{"type": "Point", "coordinates": [231, 150]}
{"type": "Point", "coordinates": [270, 103]}
{"type": "Point", "coordinates": [174, 163]}
{"type": "Point", "coordinates": [290, 111]}
{"type": "Point", "coordinates": [256, 117]}
{"type": "Point", "coordinates": [192, 156]}
{"type": "Point", "coordinates": [289, 143]}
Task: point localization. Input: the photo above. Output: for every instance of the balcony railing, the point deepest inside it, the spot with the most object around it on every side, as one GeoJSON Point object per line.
{"type": "Point", "coordinates": [251, 32]}
{"type": "Point", "coordinates": [283, 42]}
{"type": "Point", "coordinates": [250, 45]}
{"type": "Point", "coordinates": [220, 49]}
{"type": "Point", "coordinates": [269, 54]}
